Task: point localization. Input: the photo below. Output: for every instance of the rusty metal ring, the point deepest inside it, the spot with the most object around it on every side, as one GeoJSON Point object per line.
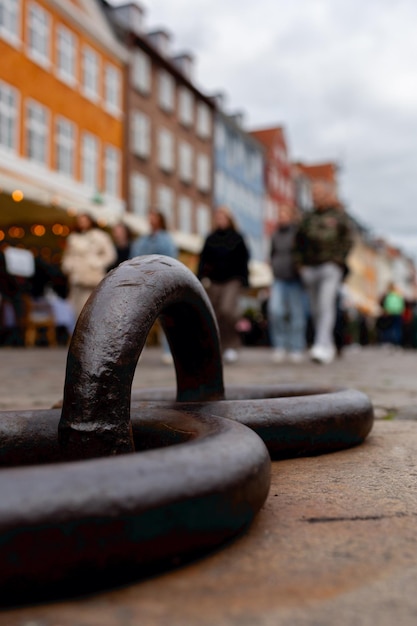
{"type": "Point", "coordinates": [70, 518]}
{"type": "Point", "coordinates": [77, 526]}
{"type": "Point", "coordinates": [293, 420]}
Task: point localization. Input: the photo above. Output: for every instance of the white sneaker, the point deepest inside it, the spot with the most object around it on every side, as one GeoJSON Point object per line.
{"type": "Point", "coordinates": [230, 356]}
{"type": "Point", "coordinates": [322, 354]}
{"type": "Point", "coordinates": [296, 357]}
{"type": "Point", "coordinates": [278, 355]}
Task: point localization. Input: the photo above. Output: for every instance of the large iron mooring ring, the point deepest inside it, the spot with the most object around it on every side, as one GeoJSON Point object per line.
{"type": "Point", "coordinates": [83, 506]}
{"type": "Point", "coordinates": [72, 522]}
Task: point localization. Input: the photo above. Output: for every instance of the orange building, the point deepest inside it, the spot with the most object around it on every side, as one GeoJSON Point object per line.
{"type": "Point", "coordinates": [62, 76]}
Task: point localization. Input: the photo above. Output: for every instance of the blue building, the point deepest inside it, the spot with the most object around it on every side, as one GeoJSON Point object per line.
{"type": "Point", "coordinates": [239, 178]}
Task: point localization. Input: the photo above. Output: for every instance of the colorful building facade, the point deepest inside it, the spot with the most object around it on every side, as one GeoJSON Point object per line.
{"type": "Point", "coordinates": [239, 179]}
{"type": "Point", "coordinates": [61, 118]}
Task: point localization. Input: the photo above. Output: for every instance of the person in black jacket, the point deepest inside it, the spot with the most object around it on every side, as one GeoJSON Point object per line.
{"type": "Point", "coordinates": [223, 270]}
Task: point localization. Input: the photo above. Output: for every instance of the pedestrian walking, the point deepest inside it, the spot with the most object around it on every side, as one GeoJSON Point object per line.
{"type": "Point", "coordinates": [157, 241]}
{"type": "Point", "coordinates": [323, 241]}
{"type": "Point", "coordinates": [223, 270]}
{"type": "Point", "coordinates": [122, 239]}
{"type": "Point", "coordinates": [391, 322]}
{"type": "Point", "coordinates": [287, 315]}
{"type": "Point", "coordinates": [88, 253]}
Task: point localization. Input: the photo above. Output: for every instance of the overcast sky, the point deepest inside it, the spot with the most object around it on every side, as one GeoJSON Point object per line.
{"type": "Point", "coordinates": [340, 76]}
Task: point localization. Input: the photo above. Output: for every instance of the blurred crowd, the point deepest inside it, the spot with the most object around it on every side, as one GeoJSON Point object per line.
{"type": "Point", "coordinates": [303, 315]}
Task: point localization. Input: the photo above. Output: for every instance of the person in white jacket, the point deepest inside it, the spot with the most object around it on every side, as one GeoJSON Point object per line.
{"type": "Point", "coordinates": [88, 253]}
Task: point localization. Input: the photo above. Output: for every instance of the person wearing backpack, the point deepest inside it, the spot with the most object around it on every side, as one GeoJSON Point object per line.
{"type": "Point", "coordinates": [393, 305]}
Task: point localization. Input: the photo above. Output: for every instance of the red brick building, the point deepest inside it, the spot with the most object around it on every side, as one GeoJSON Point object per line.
{"type": "Point", "coordinates": [279, 183]}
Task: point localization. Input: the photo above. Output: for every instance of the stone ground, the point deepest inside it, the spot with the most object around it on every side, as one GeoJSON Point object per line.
{"type": "Point", "coordinates": [335, 543]}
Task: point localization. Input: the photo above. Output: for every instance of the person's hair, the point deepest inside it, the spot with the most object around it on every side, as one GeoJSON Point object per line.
{"type": "Point", "coordinates": [128, 231]}
{"type": "Point", "coordinates": [230, 217]}
{"type": "Point", "coordinates": [93, 223]}
{"type": "Point", "coordinates": [161, 219]}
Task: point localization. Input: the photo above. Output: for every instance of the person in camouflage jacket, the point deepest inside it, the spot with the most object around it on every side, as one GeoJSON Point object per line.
{"type": "Point", "coordinates": [322, 244]}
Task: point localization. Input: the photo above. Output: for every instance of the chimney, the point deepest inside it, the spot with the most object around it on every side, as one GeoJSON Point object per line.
{"type": "Point", "coordinates": [185, 63]}
{"type": "Point", "coordinates": [161, 40]}
{"type": "Point", "coordinates": [129, 17]}
{"type": "Point", "coordinates": [219, 100]}
{"type": "Point", "coordinates": [238, 118]}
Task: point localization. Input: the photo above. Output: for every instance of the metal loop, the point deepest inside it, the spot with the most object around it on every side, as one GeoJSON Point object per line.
{"type": "Point", "coordinates": [109, 337]}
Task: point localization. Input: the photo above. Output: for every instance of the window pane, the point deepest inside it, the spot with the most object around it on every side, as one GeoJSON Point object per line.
{"type": "Point", "coordinates": [37, 132]}
{"type": "Point", "coordinates": [8, 116]}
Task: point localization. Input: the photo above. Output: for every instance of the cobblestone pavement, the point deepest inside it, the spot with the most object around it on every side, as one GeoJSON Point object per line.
{"type": "Point", "coordinates": [32, 378]}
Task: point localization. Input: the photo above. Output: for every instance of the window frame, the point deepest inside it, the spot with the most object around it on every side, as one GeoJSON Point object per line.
{"type": "Point", "coordinates": [32, 128]}
{"type": "Point", "coordinates": [90, 160]}
{"type": "Point", "coordinates": [39, 41]}
{"type": "Point", "coordinates": [67, 51]}
{"type": "Point", "coordinates": [166, 91]}
{"type": "Point", "coordinates": [140, 189]}
{"type": "Point", "coordinates": [9, 116]}
{"type": "Point", "coordinates": [65, 146]}
{"type": "Point", "coordinates": [11, 31]}
{"type": "Point", "coordinates": [166, 146]}
{"type": "Point", "coordinates": [141, 72]}
{"type": "Point", "coordinates": [141, 134]}
{"type": "Point", "coordinates": [112, 169]}
{"type": "Point", "coordinates": [90, 69]}
{"type": "Point", "coordinates": [112, 89]}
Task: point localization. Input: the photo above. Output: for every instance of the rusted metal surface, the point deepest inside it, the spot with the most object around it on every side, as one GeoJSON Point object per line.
{"type": "Point", "coordinates": [109, 337]}
{"type": "Point", "coordinates": [112, 489]}
{"type": "Point", "coordinates": [168, 484]}
{"type": "Point", "coordinates": [72, 527]}
{"type": "Point", "coordinates": [292, 420]}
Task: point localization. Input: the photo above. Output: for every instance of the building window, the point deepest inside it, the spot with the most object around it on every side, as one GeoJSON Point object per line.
{"type": "Point", "coordinates": [65, 147]}
{"type": "Point", "coordinates": [141, 72]}
{"type": "Point", "coordinates": [203, 215]}
{"type": "Point", "coordinates": [185, 207]}
{"type": "Point", "coordinates": [112, 89]}
{"type": "Point", "coordinates": [186, 103]}
{"type": "Point", "coordinates": [203, 125]}
{"type": "Point", "coordinates": [165, 150]}
{"type": "Point", "coordinates": [185, 162]}
{"type": "Point", "coordinates": [140, 191]}
{"type": "Point", "coordinates": [111, 171]}
{"type": "Point", "coordinates": [37, 122]}
{"type": "Point", "coordinates": [203, 173]}
{"type": "Point", "coordinates": [141, 136]}
{"type": "Point", "coordinates": [166, 91]}
{"type": "Point", "coordinates": [9, 20]}
{"type": "Point", "coordinates": [39, 35]}
{"type": "Point", "coordinates": [165, 202]}
{"type": "Point", "coordinates": [89, 161]}
{"type": "Point", "coordinates": [90, 71]}
{"type": "Point", "coordinates": [220, 139]}
{"type": "Point", "coordinates": [8, 116]}
{"type": "Point", "coordinates": [66, 55]}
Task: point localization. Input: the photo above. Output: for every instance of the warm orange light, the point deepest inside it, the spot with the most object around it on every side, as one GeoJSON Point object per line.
{"type": "Point", "coordinates": [16, 232]}
{"type": "Point", "coordinates": [17, 195]}
{"type": "Point", "coordinates": [2, 235]}
{"type": "Point", "coordinates": [38, 230]}
{"type": "Point", "coordinates": [65, 231]}
{"type": "Point", "coordinates": [57, 229]}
